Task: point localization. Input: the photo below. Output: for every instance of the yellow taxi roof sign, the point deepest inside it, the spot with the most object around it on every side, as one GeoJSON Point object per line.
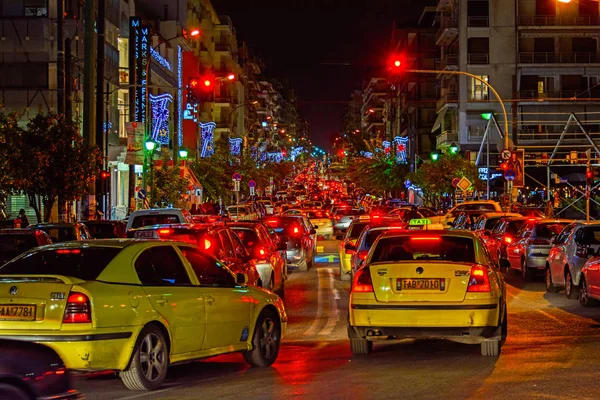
{"type": "Point", "coordinates": [419, 221]}
{"type": "Point", "coordinates": [363, 217]}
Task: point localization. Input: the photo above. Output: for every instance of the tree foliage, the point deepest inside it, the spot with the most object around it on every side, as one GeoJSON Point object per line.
{"type": "Point", "coordinates": [169, 186]}
{"type": "Point", "coordinates": [435, 178]}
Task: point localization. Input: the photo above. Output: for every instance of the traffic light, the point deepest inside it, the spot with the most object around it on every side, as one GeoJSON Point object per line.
{"type": "Point", "coordinates": [105, 181]}
{"type": "Point", "coordinates": [193, 90]}
{"type": "Point", "coordinates": [435, 155]}
{"type": "Point", "coordinates": [589, 177]}
{"type": "Point", "coordinates": [453, 148]}
{"type": "Point", "coordinates": [504, 167]}
{"type": "Point", "coordinates": [397, 63]}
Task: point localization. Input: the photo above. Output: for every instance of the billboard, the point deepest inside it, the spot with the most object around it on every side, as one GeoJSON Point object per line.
{"type": "Point", "coordinates": [135, 143]}
{"type": "Point", "coordinates": [516, 163]}
{"type": "Point", "coordinates": [139, 57]}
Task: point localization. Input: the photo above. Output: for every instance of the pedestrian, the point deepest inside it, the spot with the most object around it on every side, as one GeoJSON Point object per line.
{"type": "Point", "coordinates": [23, 217]}
{"type": "Point", "coordinates": [194, 210]}
{"type": "Point", "coordinates": [549, 210]}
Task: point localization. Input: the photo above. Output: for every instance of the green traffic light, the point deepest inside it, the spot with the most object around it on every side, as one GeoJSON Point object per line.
{"type": "Point", "coordinates": [453, 148]}
{"type": "Point", "coordinates": [434, 156]}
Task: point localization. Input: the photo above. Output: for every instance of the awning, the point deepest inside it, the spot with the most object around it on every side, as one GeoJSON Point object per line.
{"type": "Point", "coordinates": [193, 182]}
{"type": "Point", "coordinates": [438, 121]}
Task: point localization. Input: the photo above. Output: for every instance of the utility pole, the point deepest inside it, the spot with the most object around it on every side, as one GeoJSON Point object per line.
{"type": "Point", "coordinates": [68, 81]}
{"type": "Point", "coordinates": [60, 56]}
{"type": "Point", "coordinates": [100, 123]}
{"type": "Point", "coordinates": [89, 95]}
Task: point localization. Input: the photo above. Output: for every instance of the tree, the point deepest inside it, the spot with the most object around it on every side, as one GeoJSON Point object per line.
{"type": "Point", "coordinates": [11, 136]}
{"type": "Point", "coordinates": [435, 178]}
{"type": "Point", "coordinates": [169, 186]}
{"type": "Point", "coordinates": [55, 161]}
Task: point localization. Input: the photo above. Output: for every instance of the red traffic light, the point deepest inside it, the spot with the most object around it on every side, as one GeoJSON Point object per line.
{"type": "Point", "coordinates": [194, 83]}
{"type": "Point", "coordinates": [105, 174]}
{"type": "Point", "coordinates": [589, 174]}
{"type": "Point", "coordinates": [397, 63]}
{"type": "Point", "coordinates": [504, 166]}
{"type": "Point", "coordinates": [207, 82]}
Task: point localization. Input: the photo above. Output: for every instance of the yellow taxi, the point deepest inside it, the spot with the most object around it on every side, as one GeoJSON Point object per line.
{"type": "Point", "coordinates": [136, 306]}
{"type": "Point", "coordinates": [348, 243]}
{"type": "Point", "coordinates": [429, 284]}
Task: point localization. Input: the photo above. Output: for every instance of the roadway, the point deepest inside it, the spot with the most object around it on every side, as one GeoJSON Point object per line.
{"type": "Point", "coordinates": [552, 352]}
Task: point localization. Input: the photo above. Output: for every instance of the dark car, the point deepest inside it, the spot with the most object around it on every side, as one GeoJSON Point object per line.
{"type": "Point", "coordinates": [504, 234]}
{"type": "Point", "coordinates": [33, 371]}
{"type": "Point", "coordinates": [106, 229]}
{"type": "Point", "coordinates": [216, 240]}
{"type": "Point", "coordinates": [301, 236]}
{"type": "Point", "coordinates": [64, 231]}
{"type": "Point", "coordinates": [16, 241]}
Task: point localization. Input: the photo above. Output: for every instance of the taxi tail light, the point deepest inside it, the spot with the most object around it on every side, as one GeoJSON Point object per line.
{"type": "Point", "coordinates": [78, 309]}
{"type": "Point", "coordinates": [362, 281]}
{"type": "Point", "coordinates": [295, 231]}
{"type": "Point", "coordinates": [479, 280]}
{"type": "Point", "coordinates": [165, 231]}
{"type": "Point", "coordinates": [261, 253]}
{"type": "Point", "coordinates": [207, 244]}
{"type": "Point", "coordinates": [273, 222]}
{"type": "Point", "coordinates": [508, 239]}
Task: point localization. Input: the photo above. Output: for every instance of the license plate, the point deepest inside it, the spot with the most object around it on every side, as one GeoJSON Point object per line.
{"type": "Point", "coordinates": [421, 284]}
{"type": "Point", "coordinates": [16, 312]}
{"type": "Point", "coordinates": [146, 235]}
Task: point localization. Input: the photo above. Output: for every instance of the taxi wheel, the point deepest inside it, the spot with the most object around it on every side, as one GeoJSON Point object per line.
{"type": "Point", "coordinates": [571, 290]}
{"type": "Point", "coordinates": [266, 340]}
{"type": "Point", "coordinates": [360, 346]}
{"type": "Point", "coordinates": [550, 288]}
{"type": "Point", "coordinates": [12, 392]}
{"type": "Point", "coordinates": [148, 367]}
{"type": "Point", "coordinates": [584, 296]}
{"type": "Point", "coordinates": [525, 272]}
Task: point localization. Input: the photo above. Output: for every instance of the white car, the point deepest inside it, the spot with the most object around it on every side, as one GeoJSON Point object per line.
{"type": "Point", "coordinates": [241, 213]}
{"type": "Point", "coordinates": [268, 206]}
{"type": "Point", "coordinates": [321, 222]}
{"type": "Point", "coordinates": [158, 216]}
{"type": "Point", "coordinates": [484, 205]}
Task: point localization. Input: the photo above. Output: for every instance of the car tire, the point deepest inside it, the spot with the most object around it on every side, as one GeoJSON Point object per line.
{"type": "Point", "coordinates": [281, 291]}
{"type": "Point", "coordinates": [360, 346]}
{"type": "Point", "coordinates": [344, 276]}
{"type": "Point", "coordinates": [526, 273]}
{"type": "Point", "coordinates": [8, 391]}
{"type": "Point", "coordinates": [303, 266]}
{"type": "Point", "coordinates": [265, 341]}
{"type": "Point", "coordinates": [151, 346]}
{"type": "Point", "coordinates": [571, 290]}
{"type": "Point", "coordinates": [584, 296]}
{"type": "Point", "coordinates": [490, 348]}
{"type": "Point", "coordinates": [271, 283]}
{"type": "Point", "coordinates": [550, 288]}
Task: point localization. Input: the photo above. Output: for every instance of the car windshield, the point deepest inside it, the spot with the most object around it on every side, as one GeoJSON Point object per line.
{"type": "Point", "coordinates": [348, 211]}
{"type": "Point", "coordinates": [60, 234]}
{"type": "Point", "coordinates": [589, 235]}
{"type": "Point", "coordinates": [247, 235]}
{"type": "Point", "coordinates": [102, 231]}
{"type": "Point", "coordinates": [356, 229]}
{"type": "Point", "coordinates": [157, 219]}
{"type": "Point", "coordinates": [86, 263]}
{"type": "Point", "coordinates": [491, 223]}
{"type": "Point", "coordinates": [426, 213]}
{"type": "Point", "coordinates": [548, 230]}
{"type": "Point", "coordinates": [13, 245]}
{"type": "Point", "coordinates": [409, 248]}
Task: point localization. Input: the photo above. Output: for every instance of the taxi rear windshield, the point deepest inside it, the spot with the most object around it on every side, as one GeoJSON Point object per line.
{"type": "Point", "coordinates": [316, 214]}
{"type": "Point", "coordinates": [159, 219]}
{"type": "Point", "coordinates": [84, 264]}
{"type": "Point", "coordinates": [423, 248]}
{"type": "Point", "coordinates": [548, 230]}
{"type": "Point", "coordinates": [356, 229]}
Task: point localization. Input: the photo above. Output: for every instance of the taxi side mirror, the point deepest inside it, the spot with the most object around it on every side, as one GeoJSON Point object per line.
{"type": "Point", "coordinates": [553, 240]}
{"type": "Point", "coordinates": [350, 248]}
{"type": "Point", "coordinates": [241, 279]}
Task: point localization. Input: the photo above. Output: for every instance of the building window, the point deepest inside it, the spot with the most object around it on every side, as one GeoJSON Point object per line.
{"type": "Point", "coordinates": [24, 75]}
{"type": "Point", "coordinates": [478, 13]}
{"type": "Point", "coordinates": [478, 50]}
{"type": "Point", "coordinates": [36, 8]}
{"type": "Point", "coordinates": [477, 89]}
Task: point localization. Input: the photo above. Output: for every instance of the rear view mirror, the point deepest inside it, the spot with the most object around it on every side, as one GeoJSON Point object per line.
{"type": "Point", "coordinates": [349, 246]}
{"type": "Point", "coordinates": [313, 232]}
{"type": "Point", "coordinates": [241, 279]}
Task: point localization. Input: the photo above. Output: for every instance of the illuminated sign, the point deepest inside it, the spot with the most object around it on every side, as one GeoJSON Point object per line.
{"type": "Point", "coordinates": [160, 59]}
{"type": "Point", "coordinates": [139, 38]}
{"type": "Point", "coordinates": [400, 142]}
{"type": "Point", "coordinates": [160, 117]}
{"type": "Point", "coordinates": [179, 132]}
{"type": "Point", "coordinates": [483, 174]}
{"type": "Point", "coordinates": [207, 146]}
{"type": "Point", "coordinates": [235, 146]}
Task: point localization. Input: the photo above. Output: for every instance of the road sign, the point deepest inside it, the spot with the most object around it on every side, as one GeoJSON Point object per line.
{"type": "Point", "coordinates": [252, 191]}
{"type": "Point", "coordinates": [142, 194]}
{"type": "Point", "coordinates": [505, 154]}
{"type": "Point", "coordinates": [236, 177]}
{"type": "Point", "coordinates": [455, 181]}
{"type": "Point", "coordinates": [252, 184]}
{"type": "Point", "coordinates": [509, 175]}
{"type": "Point", "coordinates": [464, 184]}
{"type": "Point", "coordinates": [236, 186]}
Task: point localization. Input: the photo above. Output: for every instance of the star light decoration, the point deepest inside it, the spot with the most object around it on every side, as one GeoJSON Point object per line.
{"type": "Point", "coordinates": [295, 152]}
{"type": "Point", "coordinates": [235, 146]}
{"type": "Point", "coordinates": [386, 146]}
{"type": "Point", "coordinates": [160, 117]}
{"type": "Point", "coordinates": [400, 143]}
{"type": "Point", "coordinates": [207, 146]}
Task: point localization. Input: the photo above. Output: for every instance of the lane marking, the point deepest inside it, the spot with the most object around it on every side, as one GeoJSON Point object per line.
{"type": "Point", "coordinates": [320, 249]}
{"type": "Point", "coordinates": [137, 396]}
{"type": "Point", "coordinates": [313, 328]}
{"type": "Point", "coordinates": [552, 317]}
{"type": "Point", "coordinates": [334, 315]}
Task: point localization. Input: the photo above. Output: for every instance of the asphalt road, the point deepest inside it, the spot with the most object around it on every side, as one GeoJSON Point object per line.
{"type": "Point", "coordinates": [552, 352]}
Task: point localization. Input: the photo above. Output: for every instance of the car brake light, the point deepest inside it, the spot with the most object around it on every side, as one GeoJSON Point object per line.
{"type": "Point", "coordinates": [273, 222]}
{"type": "Point", "coordinates": [165, 231]}
{"type": "Point", "coordinates": [479, 280]}
{"type": "Point", "coordinates": [78, 309]}
{"type": "Point", "coordinates": [207, 244]}
{"type": "Point", "coordinates": [68, 251]}
{"type": "Point", "coordinates": [427, 238]}
{"type": "Point", "coordinates": [508, 239]}
{"type": "Point", "coordinates": [532, 219]}
{"type": "Point", "coordinates": [376, 216]}
{"type": "Point", "coordinates": [338, 217]}
{"type": "Point", "coordinates": [261, 252]}
{"type": "Point", "coordinates": [362, 281]}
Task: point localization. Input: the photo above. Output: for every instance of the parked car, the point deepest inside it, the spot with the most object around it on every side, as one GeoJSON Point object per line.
{"type": "Point", "coordinates": [137, 307]}
{"type": "Point", "coordinates": [264, 253]}
{"type": "Point", "coordinates": [33, 371]}
{"type": "Point", "coordinates": [65, 231]}
{"type": "Point", "coordinates": [158, 216]}
{"type": "Point", "coordinates": [16, 241]}
{"type": "Point", "coordinates": [106, 229]}
{"type": "Point", "coordinates": [301, 245]}
{"type": "Point", "coordinates": [216, 240]}
{"type": "Point", "coordinates": [503, 234]}
{"type": "Point", "coordinates": [528, 253]}
{"type": "Point", "coordinates": [571, 249]}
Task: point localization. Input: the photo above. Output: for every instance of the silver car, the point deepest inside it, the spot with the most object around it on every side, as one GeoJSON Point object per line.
{"type": "Point", "coordinates": [528, 253]}
{"type": "Point", "coordinates": [343, 217]}
{"type": "Point", "coordinates": [570, 251]}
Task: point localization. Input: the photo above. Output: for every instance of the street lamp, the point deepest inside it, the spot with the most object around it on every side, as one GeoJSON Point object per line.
{"type": "Point", "coordinates": [183, 153]}
{"type": "Point", "coordinates": [150, 145]}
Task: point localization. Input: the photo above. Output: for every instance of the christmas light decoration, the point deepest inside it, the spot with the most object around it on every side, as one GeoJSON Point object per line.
{"type": "Point", "coordinates": [179, 96]}
{"type": "Point", "coordinates": [295, 152]}
{"type": "Point", "coordinates": [235, 146]}
{"type": "Point", "coordinates": [400, 142]}
{"type": "Point", "coordinates": [207, 148]}
{"type": "Point", "coordinates": [160, 59]}
{"type": "Point", "coordinates": [160, 117]}
{"type": "Point", "coordinates": [386, 146]}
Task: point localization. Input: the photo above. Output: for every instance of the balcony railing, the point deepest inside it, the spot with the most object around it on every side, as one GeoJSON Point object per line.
{"type": "Point", "coordinates": [562, 20]}
{"type": "Point", "coordinates": [449, 61]}
{"type": "Point", "coordinates": [579, 94]}
{"type": "Point", "coordinates": [448, 30]}
{"type": "Point", "coordinates": [557, 58]}
{"type": "Point", "coordinates": [446, 139]}
{"type": "Point", "coordinates": [446, 98]}
{"type": "Point", "coordinates": [478, 22]}
{"type": "Point", "coordinates": [478, 58]}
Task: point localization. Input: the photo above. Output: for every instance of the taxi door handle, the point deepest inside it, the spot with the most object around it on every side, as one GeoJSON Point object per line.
{"type": "Point", "coordinates": [210, 300]}
{"type": "Point", "coordinates": [162, 301]}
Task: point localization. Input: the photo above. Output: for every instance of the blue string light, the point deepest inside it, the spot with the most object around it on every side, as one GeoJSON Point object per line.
{"type": "Point", "coordinates": [400, 142]}
{"type": "Point", "coordinates": [206, 133]}
{"type": "Point", "coordinates": [179, 96]}
{"type": "Point", "coordinates": [160, 59]}
{"type": "Point", "coordinates": [160, 117]}
{"type": "Point", "coordinates": [235, 146]}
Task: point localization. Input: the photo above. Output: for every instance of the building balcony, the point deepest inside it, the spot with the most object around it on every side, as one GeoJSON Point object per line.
{"type": "Point", "coordinates": [561, 95]}
{"type": "Point", "coordinates": [449, 61]}
{"type": "Point", "coordinates": [223, 100]}
{"type": "Point", "coordinates": [450, 99]}
{"type": "Point", "coordinates": [478, 58]}
{"type": "Point", "coordinates": [557, 58]}
{"type": "Point", "coordinates": [561, 20]}
{"type": "Point", "coordinates": [445, 139]}
{"type": "Point", "coordinates": [478, 22]}
{"type": "Point", "coordinates": [447, 32]}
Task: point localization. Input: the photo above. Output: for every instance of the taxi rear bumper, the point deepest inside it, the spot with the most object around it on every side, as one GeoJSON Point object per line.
{"type": "Point", "coordinates": [462, 335]}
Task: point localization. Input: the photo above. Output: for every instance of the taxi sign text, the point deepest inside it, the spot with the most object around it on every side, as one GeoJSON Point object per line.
{"type": "Point", "coordinates": [420, 221]}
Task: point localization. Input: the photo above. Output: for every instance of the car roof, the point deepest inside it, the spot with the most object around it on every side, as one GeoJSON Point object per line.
{"type": "Point", "coordinates": [20, 231]}
{"type": "Point", "coordinates": [500, 214]}
{"type": "Point", "coordinates": [586, 223]}
{"type": "Point", "coordinates": [444, 232]}
{"type": "Point", "coordinates": [553, 220]}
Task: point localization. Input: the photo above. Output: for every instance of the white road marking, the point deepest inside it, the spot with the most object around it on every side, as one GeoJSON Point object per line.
{"type": "Point", "coordinates": [334, 315]}
{"type": "Point", "coordinates": [137, 396]}
{"type": "Point", "coordinates": [313, 328]}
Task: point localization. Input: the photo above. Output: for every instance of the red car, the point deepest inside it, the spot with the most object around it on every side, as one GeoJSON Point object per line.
{"type": "Point", "coordinates": [504, 234]}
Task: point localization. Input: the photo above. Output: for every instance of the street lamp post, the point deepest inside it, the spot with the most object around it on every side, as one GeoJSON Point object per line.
{"type": "Point", "coordinates": [150, 145]}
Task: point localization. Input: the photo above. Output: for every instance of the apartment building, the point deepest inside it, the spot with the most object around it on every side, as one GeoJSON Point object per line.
{"type": "Point", "coordinates": [375, 95]}
{"type": "Point", "coordinates": [542, 58]}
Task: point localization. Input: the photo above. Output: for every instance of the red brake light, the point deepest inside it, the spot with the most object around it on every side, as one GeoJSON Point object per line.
{"type": "Point", "coordinates": [165, 231]}
{"type": "Point", "coordinates": [479, 280]}
{"type": "Point", "coordinates": [78, 309]}
{"type": "Point", "coordinates": [273, 222]}
{"type": "Point", "coordinates": [261, 252]}
{"type": "Point", "coordinates": [363, 254]}
{"type": "Point", "coordinates": [319, 215]}
{"type": "Point", "coordinates": [427, 238]}
{"type": "Point", "coordinates": [68, 251]}
{"type": "Point", "coordinates": [207, 244]}
{"type": "Point", "coordinates": [532, 219]}
{"type": "Point", "coordinates": [508, 239]}
{"type": "Point", "coordinates": [362, 281]}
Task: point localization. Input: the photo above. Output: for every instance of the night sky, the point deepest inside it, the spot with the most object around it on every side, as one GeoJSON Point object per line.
{"type": "Point", "coordinates": [297, 39]}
